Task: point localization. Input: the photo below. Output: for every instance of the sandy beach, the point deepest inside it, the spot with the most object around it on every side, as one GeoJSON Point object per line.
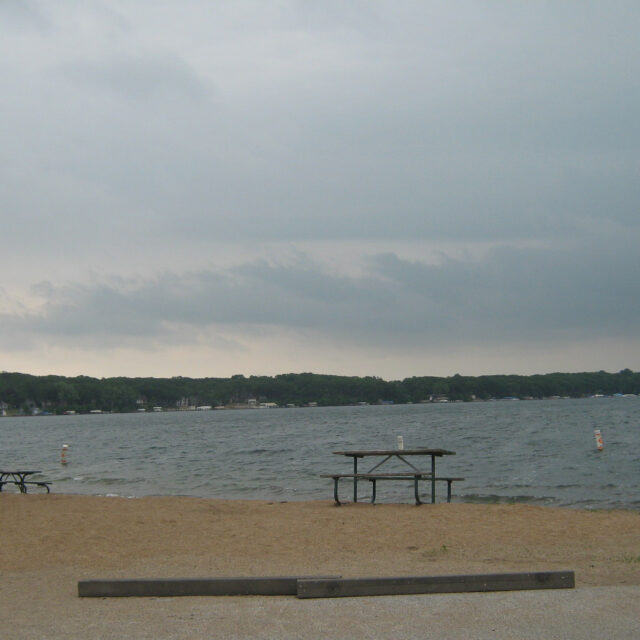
{"type": "Point", "coordinates": [49, 542]}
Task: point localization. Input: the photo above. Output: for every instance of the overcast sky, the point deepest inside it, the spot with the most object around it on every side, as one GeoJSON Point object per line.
{"type": "Point", "coordinates": [368, 187]}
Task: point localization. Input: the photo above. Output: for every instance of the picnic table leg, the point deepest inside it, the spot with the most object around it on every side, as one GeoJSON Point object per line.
{"type": "Point", "coordinates": [433, 479]}
{"type": "Point", "coordinates": [335, 491]}
{"type": "Point", "coordinates": [415, 488]}
{"type": "Point", "coordinates": [355, 479]}
{"type": "Point", "coordinates": [449, 490]}
{"type": "Point", "coordinates": [373, 490]}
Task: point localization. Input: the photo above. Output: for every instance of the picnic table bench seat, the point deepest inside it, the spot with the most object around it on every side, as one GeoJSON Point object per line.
{"type": "Point", "coordinates": [23, 485]}
{"type": "Point", "coordinates": [416, 476]}
{"type": "Point", "coordinates": [42, 484]}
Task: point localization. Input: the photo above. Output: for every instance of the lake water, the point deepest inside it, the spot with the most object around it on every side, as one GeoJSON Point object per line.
{"type": "Point", "coordinates": [538, 452]}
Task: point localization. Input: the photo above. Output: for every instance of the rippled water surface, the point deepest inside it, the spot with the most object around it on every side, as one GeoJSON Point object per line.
{"type": "Point", "coordinates": [541, 452]}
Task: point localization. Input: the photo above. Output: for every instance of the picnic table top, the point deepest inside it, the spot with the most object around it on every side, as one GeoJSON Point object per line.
{"type": "Point", "coordinates": [18, 471]}
{"type": "Point", "coordinates": [396, 452]}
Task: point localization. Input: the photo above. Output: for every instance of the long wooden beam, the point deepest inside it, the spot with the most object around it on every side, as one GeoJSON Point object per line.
{"type": "Point", "coordinates": [324, 586]}
{"type": "Point", "coordinates": [173, 587]}
{"type": "Point", "coordinates": [336, 587]}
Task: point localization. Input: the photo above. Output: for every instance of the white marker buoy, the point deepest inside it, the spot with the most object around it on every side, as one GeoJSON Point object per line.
{"type": "Point", "coordinates": [599, 444]}
{"type": "Point", "coordinates": [63, 455]}
{"type": "Point", "coordinates": [400, 443]}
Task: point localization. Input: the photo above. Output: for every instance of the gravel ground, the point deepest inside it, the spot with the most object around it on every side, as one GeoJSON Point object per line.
{"type": "Point", "coordinates": [584, 613]}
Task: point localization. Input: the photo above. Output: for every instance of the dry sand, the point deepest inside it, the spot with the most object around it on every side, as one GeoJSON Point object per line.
{"type": "Point", "coordinates": [49, 542]}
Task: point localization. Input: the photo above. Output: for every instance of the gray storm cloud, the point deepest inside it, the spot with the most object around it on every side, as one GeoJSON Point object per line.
{"type": "Point", "coordinates": [168, 145]}
{"type": "Point", "coordinates": [509, 296]}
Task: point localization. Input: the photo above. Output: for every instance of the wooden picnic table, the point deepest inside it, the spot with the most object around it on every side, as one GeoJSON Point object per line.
{"type": "Point", "coordinates": [386, 455]}
{"type": "Point", "coordinates": [19, 478]}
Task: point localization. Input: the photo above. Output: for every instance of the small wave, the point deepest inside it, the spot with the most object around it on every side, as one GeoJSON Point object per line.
{"type": "Point", "coordinates": [109, 481]}
{"type": "Point", "coordinates": [498, 499]}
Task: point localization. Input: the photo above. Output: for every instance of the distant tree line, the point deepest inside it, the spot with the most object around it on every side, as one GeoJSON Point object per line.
{"type": "Point", "coordinates": [25, 394]}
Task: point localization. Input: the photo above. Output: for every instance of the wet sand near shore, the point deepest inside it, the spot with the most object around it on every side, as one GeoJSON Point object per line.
{"type": "Point", "coordinates": [49, 542]}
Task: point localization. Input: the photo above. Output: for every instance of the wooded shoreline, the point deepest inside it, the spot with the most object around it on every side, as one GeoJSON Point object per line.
{"type": "Point", "coordinates": [24, 394]}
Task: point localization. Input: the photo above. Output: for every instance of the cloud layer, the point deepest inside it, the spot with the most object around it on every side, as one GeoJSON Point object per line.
{"type": "Point", "coordinates": [421, 175]}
